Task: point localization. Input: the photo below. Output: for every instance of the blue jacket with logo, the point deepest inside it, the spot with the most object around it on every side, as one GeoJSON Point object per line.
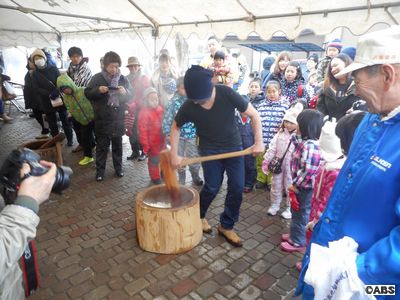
{"type": "Point", "coordinates": [365, 205]}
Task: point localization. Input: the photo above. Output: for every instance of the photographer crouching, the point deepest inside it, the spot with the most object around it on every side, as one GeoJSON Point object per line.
{"type": "Point", "coordinates": [25, 184]}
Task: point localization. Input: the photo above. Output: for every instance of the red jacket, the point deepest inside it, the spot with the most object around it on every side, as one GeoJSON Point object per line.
{"type": "Point", "coordinates": [150, 129]}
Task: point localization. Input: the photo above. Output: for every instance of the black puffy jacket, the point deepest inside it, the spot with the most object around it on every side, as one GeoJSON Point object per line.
{"type": "Point", "coordinates": [108, 121]}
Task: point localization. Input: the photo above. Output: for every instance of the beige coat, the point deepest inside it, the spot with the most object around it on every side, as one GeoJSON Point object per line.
{"type": "Point", "coordinates": [17, 227]}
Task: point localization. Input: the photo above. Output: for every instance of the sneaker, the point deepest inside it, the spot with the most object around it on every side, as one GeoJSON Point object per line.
{"type": "Point", "coordinates": [119, 173]}
{"type": "Point", "coordinates": [142, 157]}
{"type": "Point", "coordinates": [288, 247]}
{"type": "Point", "coordinates": [230, 236]}
{"type": "Point", "coordinates": [99, 178]}
{"type": "Point", "coordinates": [286, 214]}
{"type": "Point", "coordinates": [272, 211]}
{"type": "Point", "coordinates": [260, 185]}
{"type": "Point", "coordinates": [285, 237]}
{"type": "Point", "coordinates": [77, 149]}
{"type": "Point", "coordinates": [133, 156]}
{"type": "Point", "coordinates": [70, 143]}
{"type": "Point", "coordinates": [86, 160]}
{"type": "Point", "coordinates": [206, 227]}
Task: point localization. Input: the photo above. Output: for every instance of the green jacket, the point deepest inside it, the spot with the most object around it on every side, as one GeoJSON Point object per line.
{"type": "Point", "coordinates": [77, 104]}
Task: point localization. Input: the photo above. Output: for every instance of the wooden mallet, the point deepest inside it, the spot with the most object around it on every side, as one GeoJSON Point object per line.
{"type": "Point", "coordinates": [170, 178]}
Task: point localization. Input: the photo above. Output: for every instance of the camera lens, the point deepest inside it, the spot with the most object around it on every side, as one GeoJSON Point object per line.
{"type": "Point", "coordinates": [62, 179]}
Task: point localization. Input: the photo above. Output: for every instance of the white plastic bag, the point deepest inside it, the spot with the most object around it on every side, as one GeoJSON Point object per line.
{"type": "Point", "coordinates": [332, 271]}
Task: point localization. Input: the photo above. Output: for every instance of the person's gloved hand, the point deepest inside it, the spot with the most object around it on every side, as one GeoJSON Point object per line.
{"type": "Point", "coordinates": [264, 167]}
{"type": "Point", "coordinates": [294, 202]}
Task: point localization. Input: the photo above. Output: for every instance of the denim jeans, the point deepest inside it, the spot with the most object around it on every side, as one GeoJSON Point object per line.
{"type": "Point", "coordinates": [250, 171]}
{"type": "Point", "coordinates": [300, 218]}
{"type": "Point", "coordinates": [213, 177]}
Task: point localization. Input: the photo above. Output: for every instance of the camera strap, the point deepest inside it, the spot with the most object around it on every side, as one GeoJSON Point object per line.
{"type": "Point", "coordinates": [30, 269]}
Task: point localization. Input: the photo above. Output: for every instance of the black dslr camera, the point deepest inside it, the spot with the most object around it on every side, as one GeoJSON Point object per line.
{"type": "Point", "coordinates": [10, 176]}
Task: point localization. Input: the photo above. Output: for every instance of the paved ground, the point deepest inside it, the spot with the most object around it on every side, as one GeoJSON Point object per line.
{"type": "Point", "coordinates": [87, 246]}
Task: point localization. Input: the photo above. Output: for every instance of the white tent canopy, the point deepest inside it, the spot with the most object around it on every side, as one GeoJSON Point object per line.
{"type": "Point", "coordinates": [35, 23]}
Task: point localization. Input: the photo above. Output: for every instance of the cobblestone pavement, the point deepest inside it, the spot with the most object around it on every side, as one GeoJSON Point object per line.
{"type": "Point", "coordinates": [87, 247]}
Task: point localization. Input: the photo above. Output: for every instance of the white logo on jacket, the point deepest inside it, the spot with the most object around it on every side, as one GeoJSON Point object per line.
{"type": "Point", "coordinates": [380, 163]}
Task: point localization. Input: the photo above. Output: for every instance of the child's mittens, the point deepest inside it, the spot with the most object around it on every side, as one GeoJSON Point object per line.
{"type": "Point", "coordinates": [294, 202]}
{"type": "Point", "coordinates": [264, 167]}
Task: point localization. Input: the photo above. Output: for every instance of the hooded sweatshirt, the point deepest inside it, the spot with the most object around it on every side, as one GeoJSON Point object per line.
{"type": "Point", "coordinates": [77, 104]}
{"type": "Point", "coordinates": [267, 63]}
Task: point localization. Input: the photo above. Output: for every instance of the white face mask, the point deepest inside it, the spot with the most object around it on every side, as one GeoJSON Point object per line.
{"type": "Point", "coordinates": [40, 62]}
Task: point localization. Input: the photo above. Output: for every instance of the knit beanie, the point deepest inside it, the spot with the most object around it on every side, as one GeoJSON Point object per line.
{"type": "Point", "coordinates": [329, 142]}
{"type": "Point", "coordinates": [148, 91]}
{"type": "Point", "coordinates": [198, 83]}
{"type": "Point", "coordinates": [350, 51]}
{"type": "Point", "coordinates": [292, 113]}
{"type": "Point", "coordinates": [38, 52]}
{"type": "Point", "coordinates": [313, 57]}
{"type": "Point", "coordinates": [336, 43]}
{"type": "Point", "coordinates": [346, 127]}
{"type": "Point", "coordinates": [75, 51]}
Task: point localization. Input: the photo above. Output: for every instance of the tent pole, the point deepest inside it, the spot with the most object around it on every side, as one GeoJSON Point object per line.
{"type": "Point", "coordinates": [155, 52]}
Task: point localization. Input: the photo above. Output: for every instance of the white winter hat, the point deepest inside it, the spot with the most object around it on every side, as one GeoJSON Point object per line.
{"type": "Point", "coordinates": [376, 48]}
{"type": "Point", "coordinates": [329, 142]}
{"type": "Point", "coordinates": [292, 113]}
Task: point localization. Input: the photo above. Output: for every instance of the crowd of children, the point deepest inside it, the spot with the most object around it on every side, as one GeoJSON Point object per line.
{"type": "Point", "coordinates": [303, 153]}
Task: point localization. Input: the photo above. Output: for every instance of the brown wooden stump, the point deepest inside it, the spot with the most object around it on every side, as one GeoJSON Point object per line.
{"type": "Point", "coordinates": [167, 226]}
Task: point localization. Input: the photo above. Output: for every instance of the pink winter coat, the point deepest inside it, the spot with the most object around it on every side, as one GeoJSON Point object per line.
{"type": "Point", "coordinates": [324, 182]}
{"type": "Point", "coordinates": [277, 147]}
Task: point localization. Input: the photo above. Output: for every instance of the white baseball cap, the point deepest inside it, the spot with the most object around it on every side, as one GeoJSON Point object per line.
{"type": "Point", "coordinates": [376, 48]}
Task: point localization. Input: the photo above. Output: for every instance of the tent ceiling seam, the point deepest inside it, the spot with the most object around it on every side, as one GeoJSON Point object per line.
{"type": "Point", "coordinates": [250, 16]}
{"type": "Point", "coordinates": [68, 15]}
{"type": "Point", "coordinates": [40, 19]}
{"type": "Point", "coordinates": [324, 12]}
{"type": "Point", "coordinates": [154, 23]}
{"type": "Point", "coordinates": [391, 16]}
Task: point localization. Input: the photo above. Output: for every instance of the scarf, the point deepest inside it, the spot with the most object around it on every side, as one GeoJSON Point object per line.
{"type": "Point", "coordinates": [168, 83]}
{"type": "Point", "coordinates": [133, 76]}
{"type": "Point", "coordinates": [112, 81]}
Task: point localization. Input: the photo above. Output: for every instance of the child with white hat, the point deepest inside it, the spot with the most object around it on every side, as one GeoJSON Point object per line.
{"type": "Point", "coordinates": [333, 160]}
{"type": "Point", "coordinates": [279, 150]}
